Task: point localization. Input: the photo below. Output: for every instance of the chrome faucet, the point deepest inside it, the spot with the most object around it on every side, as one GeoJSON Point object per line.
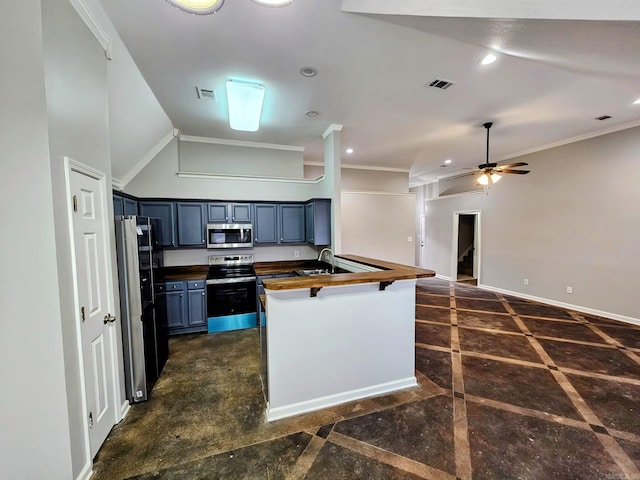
{"type": "Point", "coordinates": [333, 258]}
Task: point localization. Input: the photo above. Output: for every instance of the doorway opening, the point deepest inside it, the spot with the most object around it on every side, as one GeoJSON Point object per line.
{"type": "Point", "coordinates": [465, 261]}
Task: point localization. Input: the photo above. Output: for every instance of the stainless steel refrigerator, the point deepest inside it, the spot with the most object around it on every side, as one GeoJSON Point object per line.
{"type": "Point", "coordinates": [142, 305]}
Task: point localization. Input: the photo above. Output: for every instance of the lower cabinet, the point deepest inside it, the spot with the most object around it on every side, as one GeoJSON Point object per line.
{"type": "Point", "coordinates": [186, 306]}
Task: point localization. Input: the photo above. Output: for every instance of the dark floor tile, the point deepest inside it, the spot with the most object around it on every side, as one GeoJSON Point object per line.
{"type": "Point", "coordinates": [540, 310]}
{"type": "Point", "coordinates": [596, 320]}
{"type": "Point", "coordinates": [467, 291]}
{"type": "Point", "coordinates": [421, 431]}
{"type": "Point", "coordinates": [607, 361]}
{"type": "Point", "coordinates": [632, 449]}
{"type": "Point", "coordinates": [325, 430]}
{"type": "Point", "coordinates": [431, 334]}
{"type": "Point", "coordinates": [535, 449]}
{"type": "Point", "coordinates": [498, 344]}
{"type": "Point", "coordinates": [479, 304]}
{"type": "Point", "coordinates": [440, 315]}
{"type": "Point", "coordinates": [436, 366]}
{"type": "Point", "coordinates": [337, 463]}
{"type": "Point", "coordinates": [629, 337]}
{"type": "Point", "coordinates": [513, 299]}
{"type": "Point", "coordinates": [435, 290]}
{"type": "Point", "coordinates": [615, 403]}
{"type": "Point", "coordinates": [272, 459]}
{"type": "Point", "coordinates": [434, 300]}
{"type": "Point", "coordinates": [432, 281]}
{"type": "Point", "coordinates": [571, 331]}
{"type": "Point", "coordinates": [489, 320]}
{"type": "Point", "coordinates": [527, 387]}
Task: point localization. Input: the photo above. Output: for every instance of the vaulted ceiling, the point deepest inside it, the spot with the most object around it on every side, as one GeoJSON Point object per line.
{"type": "Point", "coordinates": [559, 66]}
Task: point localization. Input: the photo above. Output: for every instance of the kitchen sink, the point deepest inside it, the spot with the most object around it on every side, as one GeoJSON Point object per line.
{"type": "Point", "coordinates": [315, 271]}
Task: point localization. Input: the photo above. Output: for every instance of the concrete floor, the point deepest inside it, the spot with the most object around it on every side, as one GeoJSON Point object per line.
{"type": "Point", "coordinates": [508, 389]}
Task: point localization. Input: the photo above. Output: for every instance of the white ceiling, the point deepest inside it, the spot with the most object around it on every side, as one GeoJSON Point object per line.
{"type": "Point", "coordinates": [551, 79]}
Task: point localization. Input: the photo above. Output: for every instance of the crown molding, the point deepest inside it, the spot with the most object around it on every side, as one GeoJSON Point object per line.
{"type": "Point", "coordinates": [334, 127]}
{"type": "Point", "coordinates": [90, 20]}
{"type": "Point", "coordinates": [116, 184]}
{"type": "Point", "coordinates": [137, 168]}
{"type": "Point", "coordinates": [240, 143]}
{"type": "Point", "coordinates": [362, 167]}
{"type": "Point", "coordinates": [251, 178]}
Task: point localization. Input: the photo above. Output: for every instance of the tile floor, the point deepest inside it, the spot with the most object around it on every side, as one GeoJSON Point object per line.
{"type": "Point", "coordinates": [509, 389]}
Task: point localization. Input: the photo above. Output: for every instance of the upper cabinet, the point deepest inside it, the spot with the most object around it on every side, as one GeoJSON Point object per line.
{"type": "Point", "coordinates": [130, 206]}
{"type": "Point", "coordinates": [318, 222]}
{"type": "Point", "coordinates": [292, 228]}
{"type": "Point", "coordinates": [166, 212]}
{"type": "Point", "coordinates": [124, 205]}
{"type": "Point", "coordinates": [229, 212]}
{"type": "Point", "coordinates": [192, 221]}
{"type": "Point", "coordinates": [265, 227]}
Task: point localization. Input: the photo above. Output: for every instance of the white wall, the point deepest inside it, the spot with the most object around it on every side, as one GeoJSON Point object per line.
{"type": "Point", "coordinates": [159, 179]}
{"type": "Point", "coordinates": [366, 180]}
{"type": "Point", "coordinates": [573, 221]}
{"type": "Point", "coordinates": [78, 120]}
{"type": "Point", "coordinates": [379, 226]}
{"type": "Point", "coordinates": [239, 160]}
{"type": "Point", "coordinates": [35, 441]}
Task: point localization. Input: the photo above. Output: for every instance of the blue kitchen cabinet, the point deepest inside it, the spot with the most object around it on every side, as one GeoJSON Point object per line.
{"type": "Point", "coordinates": [186, 306]}
{"type": "Point", "coordinates": [166, 212]}
{"type": "Point", "coordinates": [291, 222]}
{"type": "Point", "coordinates": [130, 207]}
{"type": "Point", "coordinates": [192, 220]}
{"type": "Point", "coordinates": [219, 212]}
{"type": "Point", "coordinates": [318, 222]}
{"type": "Point", "coordinates": [265, 227]}
{"type": "Point", "coordinates": [118, 205]}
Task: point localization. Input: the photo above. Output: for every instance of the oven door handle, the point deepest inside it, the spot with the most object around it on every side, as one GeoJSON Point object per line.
{"type": "Point", "coordinates": [221, 281]}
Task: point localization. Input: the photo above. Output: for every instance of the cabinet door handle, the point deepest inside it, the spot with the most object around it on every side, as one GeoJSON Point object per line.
{"type": "Point", "coordinates": [181, 294]}
{"type": "Point", "coordinates": [203, 294]}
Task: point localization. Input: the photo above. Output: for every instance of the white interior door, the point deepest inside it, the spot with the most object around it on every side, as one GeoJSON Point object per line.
{"type": "Point", "coordinates": [95, 319]}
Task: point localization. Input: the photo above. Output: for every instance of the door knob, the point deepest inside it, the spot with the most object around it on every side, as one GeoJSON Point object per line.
{"type": "Point", "coordinates": [108, 318]}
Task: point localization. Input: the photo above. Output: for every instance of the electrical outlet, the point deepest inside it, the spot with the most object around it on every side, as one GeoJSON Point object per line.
{"type": "Point", "coordinates": [569, 289]}
{"type": "Point", "coordinates": [526, 281]}
{"type": "Point", "coordinates": [409, 239]}
{"type": "Point", "coordinates": [296, 253]}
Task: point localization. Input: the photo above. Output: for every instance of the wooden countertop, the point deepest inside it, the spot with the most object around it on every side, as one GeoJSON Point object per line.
{"type": "Point", "coordinates": [389, 273]}
{"type": "Point", "coordinates": [193, 272]}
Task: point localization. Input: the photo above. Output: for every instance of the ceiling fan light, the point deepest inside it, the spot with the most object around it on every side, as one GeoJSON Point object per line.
{"type": "Point", "coordinates": [199, 7]}
{"type": "Point", "coordinates": [495, 178]}
{"type": "Point", "coordinates": [273, 3]}
{"type": "Point", "coordinates": [483, 179]}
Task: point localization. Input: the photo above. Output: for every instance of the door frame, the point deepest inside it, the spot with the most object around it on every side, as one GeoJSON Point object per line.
{"type": "Point", "coordinates": [476, 243]}
{"type": "Point", "coordinates": [71, 165]}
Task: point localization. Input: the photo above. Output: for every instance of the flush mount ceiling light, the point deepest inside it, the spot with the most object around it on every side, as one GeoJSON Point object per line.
{"type": "Point", "coordinates": [245, 105]}
{"type": "Point", "coordinates": [199, 7]}
{"type": "Point", "coordinates": [488, 60]}
{"type": "Point", "coordinates": [349, 151]}
{"type": "Point", "coordinates": [273, 3]}
{"type": "Point", "coordinates": [447, 162]}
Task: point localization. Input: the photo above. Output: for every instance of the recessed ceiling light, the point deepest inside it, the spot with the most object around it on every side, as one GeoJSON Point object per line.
{"type": "Point", "coordinates": [447, 162]}
{"type": "Point", "coordinates": [349, 151]}
{"type": "Point", "coordinates": [489, 59]}
{"type": "Point", "coordinates": [637, 102]}
{"type": "Point", "coordinates": [312, 113]}
{"type": "Point", "coordinates": [308, 72]}
{"type": "Point", "coordinates": [199, 7]}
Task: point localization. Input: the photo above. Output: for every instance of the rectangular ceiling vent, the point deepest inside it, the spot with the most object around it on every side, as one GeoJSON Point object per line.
{"type": "Point", "coordinates": [205, 94]}
{"type": "Point", "coordinates": [441, 83]}
{"type": "Point", "coordinates": [604, 117]}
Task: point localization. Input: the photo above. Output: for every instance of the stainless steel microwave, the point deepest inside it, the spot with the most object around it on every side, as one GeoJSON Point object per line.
{"type": "Point", "coordinates": [229, 235]}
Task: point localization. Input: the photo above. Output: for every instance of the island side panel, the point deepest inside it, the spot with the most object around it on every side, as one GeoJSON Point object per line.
{"type": "Point", "coordinates": [346, 343]}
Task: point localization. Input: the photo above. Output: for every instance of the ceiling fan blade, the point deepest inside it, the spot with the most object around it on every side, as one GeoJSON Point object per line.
{"type": "Point", "coordinates": [510, 165]}
{"type": "Point", "coordinates": [518, 172]}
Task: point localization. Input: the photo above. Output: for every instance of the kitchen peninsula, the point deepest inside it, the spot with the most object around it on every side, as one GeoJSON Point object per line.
{"type": "Point", "coordinates": [330, 339]}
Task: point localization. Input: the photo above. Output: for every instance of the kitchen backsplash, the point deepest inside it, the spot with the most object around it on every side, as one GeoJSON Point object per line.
{"type": "Point", "coordinates": [181, 257]}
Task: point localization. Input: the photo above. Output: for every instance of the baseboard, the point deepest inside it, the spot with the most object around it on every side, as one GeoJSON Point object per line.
{"type": "Point", "coordinates": [338, 398]}
{"type": "Point", "coordinates": [442, 277]}
{"type": "Point", "coordinates": [555, 303]}
{"type": "Point", "coordinates": [124, 409]}
{"type": "Point", "coordinates": [86, 472]}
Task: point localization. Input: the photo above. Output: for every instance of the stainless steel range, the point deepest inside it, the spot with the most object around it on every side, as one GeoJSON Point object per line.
{"type": "Point", "coordinates": [231, 293]}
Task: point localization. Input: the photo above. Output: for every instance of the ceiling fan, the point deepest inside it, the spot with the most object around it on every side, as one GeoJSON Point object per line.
{"type": "Point", "coordinates": [491, 172]}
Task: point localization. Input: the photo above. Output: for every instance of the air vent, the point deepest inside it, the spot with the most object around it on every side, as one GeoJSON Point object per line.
{"type": "Point", "coordinates": [603, 117]}
{"type": "Point", "coordinates": [441, 83]}
{"type": "Point", "coordinates": [205, 94]}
